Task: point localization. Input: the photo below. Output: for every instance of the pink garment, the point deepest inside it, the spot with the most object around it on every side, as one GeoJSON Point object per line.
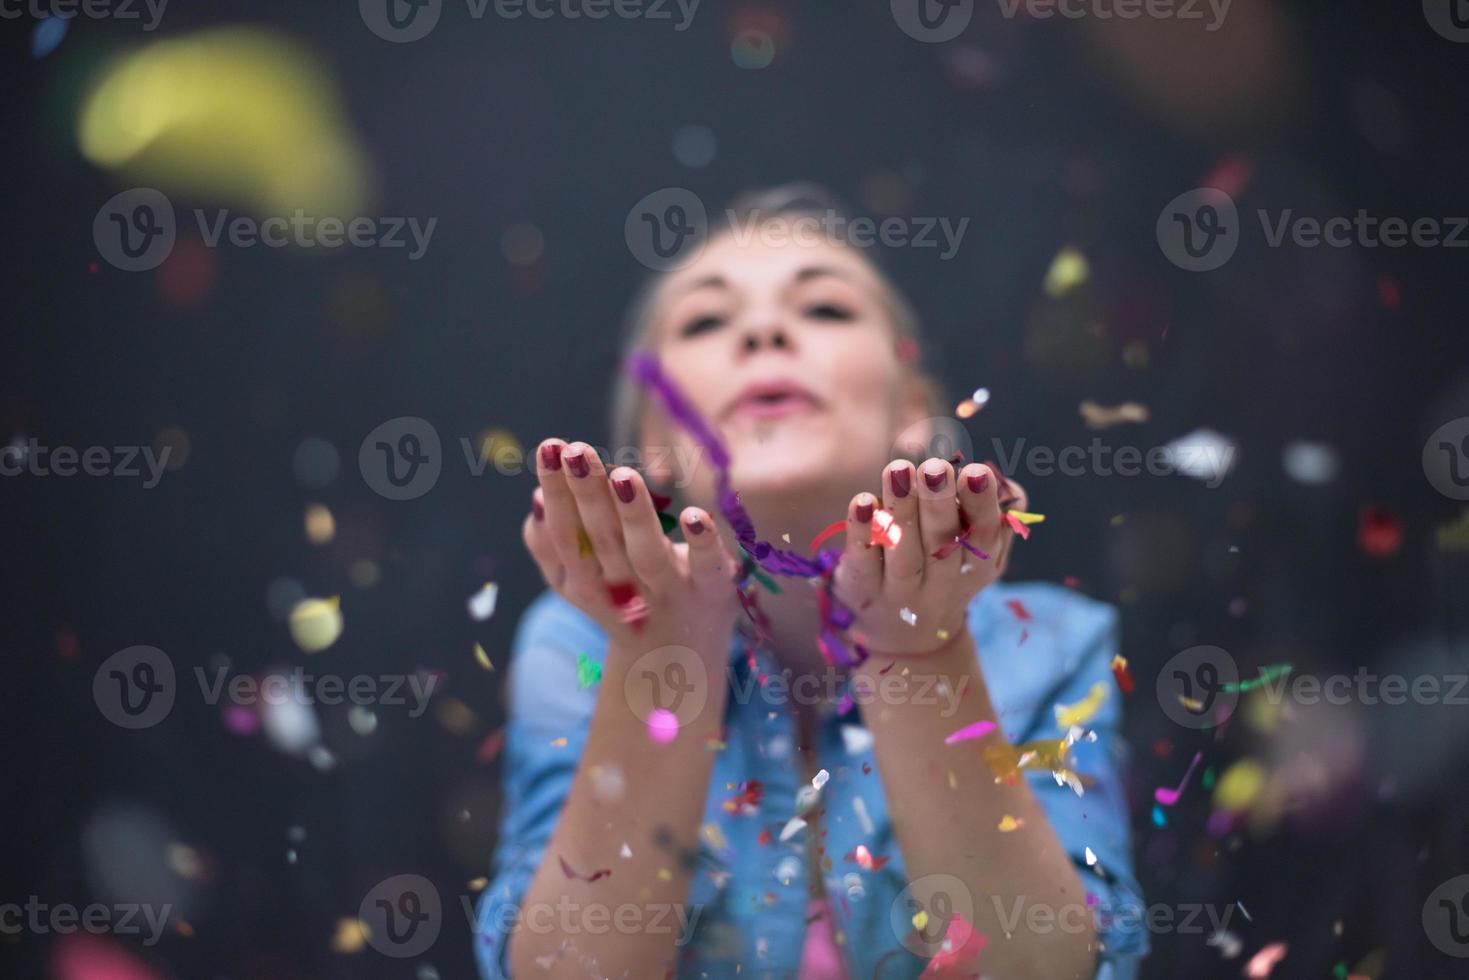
{"type": "Point", "coordinates": [820, 958]}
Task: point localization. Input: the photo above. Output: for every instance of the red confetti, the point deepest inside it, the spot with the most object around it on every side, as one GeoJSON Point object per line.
{"type": "Point", "coordinates": [1017, 525]}
{"type": "Point", "coordinates": [1124, 677]}
{"type": "Point", "coordinates": [630, 606]}
{"type": "Point", "coordinates": [834, 528]}
{"type": "Point", "coordinates": [1018, 608]}
{"type": "Point", "coordinates": [570, 872]}
{"type": "Point", "coordinates": [1379, 532]}
{"type": "Point", "coordinates": [490, 748]}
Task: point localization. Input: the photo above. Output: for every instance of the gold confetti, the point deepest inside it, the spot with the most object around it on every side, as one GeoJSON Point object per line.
{"type": "Point", "coordinates": [583, 544]}
{"type": "Point", "coordinates": [558, 743]}
{"type": "Point", "coordinates": [1103, 417]}
{"type": "Point", "coordinates": [482, 658]}
{"type": "Point", "coordinates": [1069, 269]}
{"type": "Point", "coordinates": [316, 623]}
{"type": "Point", "coordinates": [321, 527]}
{"type": "Point", "coordinates": [350, 936]}
{"type": "Point", "coordinates": [1082, 711]}
{"type": "Point", "coordinates": [478, 884]}
{"type": "Point", "coordinates": [664, 874]}
{"type": "Point", "coordinates": [920, 919]}
{"type": "Point", "coordinates": [1009, 823]}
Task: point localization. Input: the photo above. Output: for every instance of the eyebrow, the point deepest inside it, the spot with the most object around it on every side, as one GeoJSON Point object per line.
{"type": "Point", "coordinates": [817, 271]}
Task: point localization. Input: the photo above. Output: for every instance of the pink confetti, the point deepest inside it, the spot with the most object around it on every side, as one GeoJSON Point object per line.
{"type": "Point", "coordinates": [1168, 797]}
{"type": "Point", "coordinates": [1017, 525]}
{"type": "Point", "coordinates": [571, 872]}
{"type": "Point", "coordinates": [960, 947]}
{"type": "Point", "coordinates": [662, 726]}
{"type": "Point", "coordinates": [1263, 963]}
{"type": "Point", "coordinates": [977, 730]}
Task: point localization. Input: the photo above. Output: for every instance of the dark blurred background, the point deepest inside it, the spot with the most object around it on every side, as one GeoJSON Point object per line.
{"type": "Point", "coordinates": [1328, 545]}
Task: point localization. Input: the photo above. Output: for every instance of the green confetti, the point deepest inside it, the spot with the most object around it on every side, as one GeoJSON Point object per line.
{"type": "Point", "coordinates": [760, 575]}
{"type": "Point", "coordinates": [668, 521]}
{"type": "Point", "coordinates": [588, 672]}
{"type": "Point", "coordinates": [1339, 971]}
{"type": "Point", "coordinates": [1266, 674]}
{"type": "Point", "coordinates": [1209, 778]}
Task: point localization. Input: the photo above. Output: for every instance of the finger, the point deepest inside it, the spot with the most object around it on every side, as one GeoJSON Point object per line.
{"type": "Point", "coordinates": [903, 564]}
{"type": "Point", "coordinates": [979, 495]}
{"type": "Point", "coordinates": [538, 543]}
{"type": "Point", "coordinates": [859, 573]}
{"type": "Point", "coordinates": [587, 478]}
{"type": "Point", "coordinates": [583, 575]}
{"type": "Point", "coordinates": [938, 515]}
{"type": "Point", "coordinates": [648, 550]}
{"type": "Point", "coordinates": [710, 566]}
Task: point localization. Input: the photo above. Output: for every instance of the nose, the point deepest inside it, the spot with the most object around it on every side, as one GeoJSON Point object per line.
{"type": "Point", "coordinates": [774, 338]}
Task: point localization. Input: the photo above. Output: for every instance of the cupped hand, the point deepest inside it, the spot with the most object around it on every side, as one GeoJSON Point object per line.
{"type": "Point", "coordinates": [598, 542]}
{"type": "Point", "coordinates": [912, 598]}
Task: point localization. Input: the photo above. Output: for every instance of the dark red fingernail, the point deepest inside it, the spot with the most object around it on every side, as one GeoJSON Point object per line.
{"type": "Point", "coordinates": [578, 465]}
{"type": "Point", "coordinates": [697, 525]}
{"type": "Point", "coordinates": [902, 481]}
{"type": "Point", "coordinates": [864, 512]}
{"type": "Point", "coordinates": [977, 483]}
{"type": "Point", "coordinates": [537, 508]}
{"type": "Point", "coordinates": [625, 491]}
{"type": "Point", "coordinates": [551, 456]}
{"type": "Point", "coordinates": [937, 480]}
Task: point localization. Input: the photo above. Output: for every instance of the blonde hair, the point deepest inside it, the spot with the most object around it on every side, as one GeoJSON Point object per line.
{"type": "Point", "coordinates": [791, 200]}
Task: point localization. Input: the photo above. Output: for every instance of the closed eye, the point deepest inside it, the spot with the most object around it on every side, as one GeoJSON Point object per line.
{"type": "Point", "coordinates": [700, 325]}
{"type": "Point", "coordinates": [829, 311]}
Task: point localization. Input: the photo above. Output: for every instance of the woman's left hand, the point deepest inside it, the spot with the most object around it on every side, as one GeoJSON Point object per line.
{"type": "Point", "coordinates": [887, 587]}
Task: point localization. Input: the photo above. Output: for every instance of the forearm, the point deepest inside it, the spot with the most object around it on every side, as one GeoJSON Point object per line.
{"type": "Point", "coordinates": [946, 808]}
{"type": "Point", "coordinates": [629, 790]}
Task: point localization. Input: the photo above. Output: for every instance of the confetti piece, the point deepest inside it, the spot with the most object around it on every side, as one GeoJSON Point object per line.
{"type": "Point", "coordinates": [588, 672]}
{"type": "Point", "coordinates": [1262, 964]}
{"type": "Point", "coordinates": [977, 730]}
{"type": "Point", "coordinates": [820, 780]}
{"type": "Point", "coordinates": [482, 603]}
{"type": "Point", "coordinates": [1267, 674]}
{"type": "Point", "coordinates": [864, 857]}
{"type": "Point", "coordinates": [1091, 858]}
{"type": "Point", "coordinates": [962, 943]}
{"type": "Point", "coordinates": [1018, 608]}
{"type": "Point", "coordinates": [1009, 824]}
{"type": "Point", "coordinates": [350, 937]}
{"type": "Point", "coordinates": [571, 873]}
{"type": "Point", "coordinates": [1168, 797]}
{"type": "Point", "coordinates": [662, 725]}
{"type": "Point", "coordinates": [830, 531]}
{"type": "Point", "coordinates": [1379, 532]}
{"type": "Point", "coordinates": [1017, 525]}
{"type": "Point", "coordinates": [1228, 943]}
{"type": "Point", "coordinates": [1069, 269]}
{"type": "Point", "coordinates": [1084, 710]}
{"type": "Point", "coordinates": [1122, 674]}
{"type": "Point", "coordinates": [47, 34]}
{"type": "Point", "coordinates": [1159, 820]}
{"type": "Point", "coordinates": [885, 530]}
{"type": "Point", "coordinates": [490, 748]}
{"type": "Point", "coordinates": [908, 616]}
{"type": "Point", "coordinates": [793, 827]}
{"type": "Point", "coordinates": [1101, 417]}
{"type": "Point", "coordinates": [584, 547]}
{"type": "Point", "coordinates": [631, 607]}
{"type": "Point", "coordinates": [482, 658]}
{"type": "Point", "coordinates": [316, 623]}
{"type": "Point", "coordinates": [626, 852]}
{"type": "Point", "coordinates": [1026, 517]}
{"type": "Point", "coordinates": [863, 817]}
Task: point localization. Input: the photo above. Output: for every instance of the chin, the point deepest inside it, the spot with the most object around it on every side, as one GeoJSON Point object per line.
{"type": "Point", "coordinates": [784, 466]}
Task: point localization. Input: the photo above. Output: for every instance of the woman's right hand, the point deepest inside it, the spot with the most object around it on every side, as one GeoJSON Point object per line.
{"type": "Point", "coordinates": [600, 546]}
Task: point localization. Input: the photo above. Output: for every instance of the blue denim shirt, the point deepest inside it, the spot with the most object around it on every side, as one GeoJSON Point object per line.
{"type": "Point", "coordinates": [748, 901]}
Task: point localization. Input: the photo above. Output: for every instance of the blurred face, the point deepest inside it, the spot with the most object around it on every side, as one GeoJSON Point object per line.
{"type": "Point", "coordinates": [788, 352]}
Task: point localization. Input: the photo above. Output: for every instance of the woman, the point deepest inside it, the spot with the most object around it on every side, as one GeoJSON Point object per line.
{"type": "Point", "coordinates": [724, 801]}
